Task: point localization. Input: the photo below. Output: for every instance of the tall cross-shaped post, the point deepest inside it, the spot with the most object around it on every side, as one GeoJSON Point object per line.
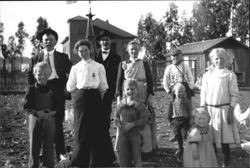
{"type": "Point", "coordinates": [90, 34]}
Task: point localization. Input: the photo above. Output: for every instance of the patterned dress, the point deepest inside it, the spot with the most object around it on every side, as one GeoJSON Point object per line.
{"type": "Point", "coordinates": [219, 91]}
{"type": "Point", "coordinates": [207, 158]}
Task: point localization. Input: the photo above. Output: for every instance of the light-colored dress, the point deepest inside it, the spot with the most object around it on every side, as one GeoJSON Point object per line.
{"type": "Point", "coordinates": [135, 70]}
{"type": "Point", "coordinates": [207, 157]}
{"type": "Point", "coordinates": [219, 91]}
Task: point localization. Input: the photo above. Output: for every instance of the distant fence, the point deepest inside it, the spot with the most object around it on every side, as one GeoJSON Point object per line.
{"type": "Point", "coordinates": [16, 81]}
{"type": "Point", "coordinates": [12, 82]}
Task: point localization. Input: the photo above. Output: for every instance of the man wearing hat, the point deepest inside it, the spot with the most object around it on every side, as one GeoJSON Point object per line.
{"type": "Point", "coordinates": [60, 66]}
{"type": "Point", "coordinates": [110, 61]}
{"type": "Point", "coordinates": [177, 72]}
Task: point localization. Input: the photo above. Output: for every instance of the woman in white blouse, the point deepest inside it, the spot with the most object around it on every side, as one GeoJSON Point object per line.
{"type": "Point", "coordinates": [87, 82]}
{"type": "Point", "coordinates": [219, 94]}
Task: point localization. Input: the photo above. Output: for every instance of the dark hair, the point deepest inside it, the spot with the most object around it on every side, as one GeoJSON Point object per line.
{"type": "Point", "coordinates": [82, 42]}
{"type": "Point", "coordinates": [47, 31]}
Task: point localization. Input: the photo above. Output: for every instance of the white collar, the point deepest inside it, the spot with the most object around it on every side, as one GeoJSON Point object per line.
{"type": "Point", "coordinates": [87, 61]}
{"type": "Point", "coordinates": [106, 50]}
{"type": "Point", "coordinates": [50, 52]}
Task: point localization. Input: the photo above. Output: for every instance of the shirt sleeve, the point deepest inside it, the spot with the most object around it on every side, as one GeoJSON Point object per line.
{"type": "Point", "coordinates": [194, 135]}
{"type": "Point", "coordinates": [103, 86]}
{"type": "Point", "coordinates": [119, 80]}
{"type": "Point", "coordinates": [203, 90]}
{"type": "Point", "coordinates": [71, 83]}
{"type": "Point", "coordinates": [142, 115]}
{"type": "Point", "coordinates": [233, 89]}
{"type": "Point", "coordinates": [27, 104]}
{"type": "Point", "coordinates": [166, 79]}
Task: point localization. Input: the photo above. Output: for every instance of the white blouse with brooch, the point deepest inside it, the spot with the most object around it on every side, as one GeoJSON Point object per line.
{"type": "Point", "coordinates": [87, 75]}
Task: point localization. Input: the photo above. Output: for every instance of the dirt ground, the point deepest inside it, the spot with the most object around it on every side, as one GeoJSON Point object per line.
{"type": "Point", "coordinates": [14, 144]}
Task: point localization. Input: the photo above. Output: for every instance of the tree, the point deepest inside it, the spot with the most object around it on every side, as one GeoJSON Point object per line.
{"type": "Point", "coordinates": [37, 46]}
{"type": "Point", "coordinates": [21, 35]}
{"type": "Point", "coordinates": [151, 35]}
{"type": "Point", "coordinates": [240, 20]}
{"type": "Point", "coordinates": [211, 19]}
{"type": "Point", "coordinates": [178, 29]}
{"type": "Point", "coordinates": [12, 51]}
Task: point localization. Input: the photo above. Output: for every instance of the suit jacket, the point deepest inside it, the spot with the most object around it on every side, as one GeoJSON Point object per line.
{"type": "Point", "coordinates": [62, 66]}
{"type": "Point", "coordinates": [111, 64]}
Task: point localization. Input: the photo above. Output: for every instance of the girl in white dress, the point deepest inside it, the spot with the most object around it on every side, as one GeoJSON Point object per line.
{"type": "Point", "coordinates": [219, 94]}
{"type": "Point", "coordinates": [199, 151]}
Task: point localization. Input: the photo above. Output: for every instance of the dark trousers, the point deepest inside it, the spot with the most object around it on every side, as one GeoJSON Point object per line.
{"type": "Point", "coordinates": [92, 140]}
{"type": "Point", "coordinates": [41, 136]}
{"type": "Point", "coordinates": [107, 105]}
{"type": "Point", "coordinates": [180, 128]}
{"type": "Point", "coordinates": [58, 91]}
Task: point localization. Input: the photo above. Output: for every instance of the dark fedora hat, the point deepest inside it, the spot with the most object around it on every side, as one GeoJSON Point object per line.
{"type": "Point", "coordinates": [104, 33]}
{"type": "Point", "coordinates": [47, 31]}
{"type": "Point", "coordinates": [176, 52]}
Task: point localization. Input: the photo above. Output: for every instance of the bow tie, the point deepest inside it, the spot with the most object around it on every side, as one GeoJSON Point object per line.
{"type": "Point", "coordinates": [105, 52]}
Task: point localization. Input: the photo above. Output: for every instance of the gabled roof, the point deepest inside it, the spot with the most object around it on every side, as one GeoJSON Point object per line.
{"type": "Point", "coordinates": [203, 46]}
{"type": "Point", "coordinates": [106, 26]}
{"type": "Point", "coordinates": [111, 28]}
{"type": "Point", "coordinates": [77, 18]}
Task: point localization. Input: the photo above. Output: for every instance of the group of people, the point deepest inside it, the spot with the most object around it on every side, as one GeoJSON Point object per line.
{"type": "Point", "coordinates": [100, 78]}
{"type": "Point", "coordinates": [210, 127]}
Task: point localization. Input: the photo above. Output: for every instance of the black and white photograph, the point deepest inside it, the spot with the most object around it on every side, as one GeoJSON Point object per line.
{"type": "Point", "coordinates": [124, 83]}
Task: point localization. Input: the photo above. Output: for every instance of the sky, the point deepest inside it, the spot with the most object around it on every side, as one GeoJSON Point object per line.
{"type": "Point", "coordinates": [122, 14]}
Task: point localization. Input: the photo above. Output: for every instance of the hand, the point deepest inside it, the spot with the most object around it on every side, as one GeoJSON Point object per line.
{"type": "Point", "coordinates": [51, 112]}
{"type": "Point", "coordinates": [117, 122]}
{"type": "Point", "coordinates": [230, 115]}
{"type": "Point", "coordinates": [41, 114]}
{"type": "Point", "coordinates": [128, 125]}
{"type": "Point", "coordinates": [118, 100]}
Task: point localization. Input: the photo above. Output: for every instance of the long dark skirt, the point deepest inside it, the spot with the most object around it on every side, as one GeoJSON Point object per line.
{"type": "Point", "coordinates": [91, 137]}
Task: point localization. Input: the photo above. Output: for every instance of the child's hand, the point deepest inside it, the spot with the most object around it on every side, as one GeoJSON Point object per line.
{"type": "Point", "coordinates": [128, 125]}
{"type": "Point", "coordinates": [117, 122]}
{"type": "Point", "coordinates": [41, 114]}
{"type": "Point", "coordinates": [51, 112]}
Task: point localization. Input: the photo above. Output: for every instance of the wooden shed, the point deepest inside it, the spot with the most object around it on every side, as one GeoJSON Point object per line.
{"type": "Point", "coordinates": [196, 54]}
{"type": "Point", "coordinates": [77, 31]}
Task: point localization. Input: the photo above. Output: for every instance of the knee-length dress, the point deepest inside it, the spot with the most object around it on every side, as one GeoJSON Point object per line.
{"type": "Point", "coordinates": [219, 91]}
{"type": "Point", "coordinates": [139, 70]}
{"type": "Point", "coordinates": [207, 157]}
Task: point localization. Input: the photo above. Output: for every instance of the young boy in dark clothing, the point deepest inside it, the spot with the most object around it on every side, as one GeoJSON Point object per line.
{"type": "Point", "coordinates": [39, 103]}
{"type": "Point", "coordinates": [179, 115]}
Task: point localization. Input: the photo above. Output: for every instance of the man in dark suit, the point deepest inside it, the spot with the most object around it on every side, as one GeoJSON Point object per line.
{"type": "Point", "coordinates": [110, 61]}
{"type": "Point", "coordinates": [60, 66]}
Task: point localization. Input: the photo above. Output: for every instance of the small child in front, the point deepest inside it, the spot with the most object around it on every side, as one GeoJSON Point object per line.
{"type": "Point", "coordinates": [39, 102]}
{"type": "Point", "coordinates": [179, 115]}
{"type": "Point", "coordinates": [130, 117]}
{"type": "Point", "coordinates": [199, 150]}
